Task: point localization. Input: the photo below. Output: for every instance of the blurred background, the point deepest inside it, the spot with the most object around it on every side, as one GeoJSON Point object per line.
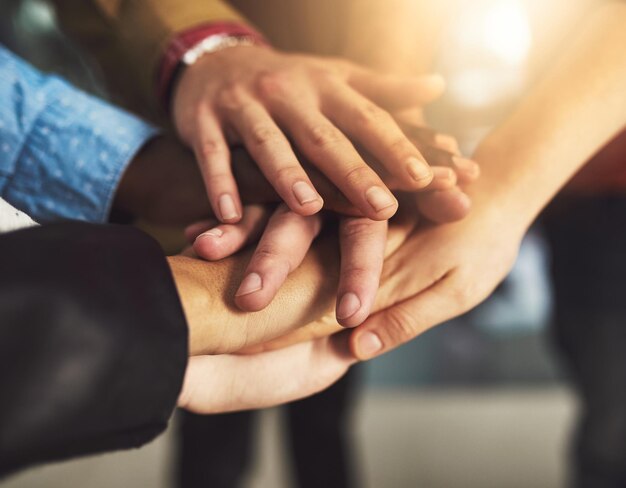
{"type": "Point", "coordinates": [478, 402]}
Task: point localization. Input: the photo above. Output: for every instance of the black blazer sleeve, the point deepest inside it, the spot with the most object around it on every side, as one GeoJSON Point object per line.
{"type": "Point", "coordinates": [93, 342]}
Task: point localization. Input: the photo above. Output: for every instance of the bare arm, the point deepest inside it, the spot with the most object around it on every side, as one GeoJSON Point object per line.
{"type": "Point", "coordinates": [578, 106]}
{"type": "Point", "coordinates": [216, 325]}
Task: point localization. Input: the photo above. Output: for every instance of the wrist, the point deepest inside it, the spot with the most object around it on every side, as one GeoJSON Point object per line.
{"type": "Point", "coordinates": [192, 299]}
{"type": "Point", "coordinates": [189, 45]}
{"type": "Point", "coordinates": [508, 186]}
{"type": "Point", "coordinates": [163, 185]}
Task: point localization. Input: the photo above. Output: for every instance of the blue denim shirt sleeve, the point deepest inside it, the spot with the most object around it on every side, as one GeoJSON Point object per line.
{"type": "Point", "coordinates": [62, 152]}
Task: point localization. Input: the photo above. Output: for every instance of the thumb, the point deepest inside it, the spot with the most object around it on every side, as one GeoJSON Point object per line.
{"type": "Point", "coordinates": [403, 321]}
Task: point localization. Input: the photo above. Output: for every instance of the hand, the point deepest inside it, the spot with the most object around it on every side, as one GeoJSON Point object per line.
{"type": "Point", "coordinates": [282, 247]}
{"type": "Point", "coordinates": [215, 384]}
{"type": "Point", "coordinates": [439, 273]}
{"type": "Point", "coordinates": [450, 170]}
{"type": "Point", "coordinates": [526, 160]}
{"type": "Point", "coordinates": [216, 326]}
{"type": "Point", "coordinates": [399, 230]}
{"type": "Point", "coordinates": [265, 99]}
{"type": "Point", "coordinates": [162, 185]}
{"type": "Point", "coordinates": [363, 242]}
{"type": "Point", "coordinates": [289, 236]}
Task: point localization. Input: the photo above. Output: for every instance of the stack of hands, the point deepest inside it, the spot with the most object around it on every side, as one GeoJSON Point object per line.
{"type": "Point", "coordinates": [321, 150]}
{"type": "Point", "coordinates": [326, 225]}
{"type": "Point", "coordinates": [349, 198]}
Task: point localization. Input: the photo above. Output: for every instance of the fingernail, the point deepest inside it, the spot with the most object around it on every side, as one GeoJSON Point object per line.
{"type": "Point", "coordinates": [418, 170]}
{"type": "Point", "coordinates": [444, 174]}
{"type": "Point", "coordinates": [467, 165]}
{"type": "Point", "coordinates": [228, 210]}
{"type": "Point", "coordinates": [369, 344]}
{"type": "Point", "coordinates": [348, 306]}
{"type": "Point", "coordinates": [448, 142]}
{"type": "Point", "coordinates": [304, 192]}
{"type": "Point", "coordinates": [212, 233]}
{"type": "Point", "coordinates": [379, 199]}
{"type": "Point", "coordinates": [250, 284]}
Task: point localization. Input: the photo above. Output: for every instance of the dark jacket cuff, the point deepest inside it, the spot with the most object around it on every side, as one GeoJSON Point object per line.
{"type": "Point", "coordinates": [93, 342]}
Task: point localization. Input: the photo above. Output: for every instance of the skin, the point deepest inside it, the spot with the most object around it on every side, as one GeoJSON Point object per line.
{"type": "Point", "coordinates": [308, 292]}
{"type": "Point", "coordinates": [219, 381]}
{"type": "Point", "coordinates": [443, 271]}
{"type": "Point", "coordinates": [301, 363]}
{"type": "Point", "coordinates": [163, 186]}
{"type": "Point", "coordinates": [268, 100]}
{"type": "Point", "coordinates": [460, 264]}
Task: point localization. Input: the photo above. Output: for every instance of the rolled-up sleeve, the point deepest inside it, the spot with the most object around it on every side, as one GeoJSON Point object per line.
{"type": "Point", "coordinates": [62, 151]}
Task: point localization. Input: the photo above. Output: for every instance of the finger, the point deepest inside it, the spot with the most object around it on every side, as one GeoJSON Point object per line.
{"type": "Point", "coordinates": [444, 206]}
{"type": "Point", "coordinates": [396, 92]}
{"type": "Point", "coordinates": [442, 150]}
{"type": "Point", "coordinates": [328, 149]}
{"type": "Point", "coordinates": [362, 243]}
{"type": "Point", "coordinates": [404, 321]}
{"type": "Point", "coordinates": [282, 248]}
{"type": "Point", "coordinates": [192, 231]}
{"type": "Point", "coordinates": [333, 198]}
{"type": "Point", "coordinates": [271, 150]}
{"type": "Point", "coordinates": [376, 130]}
{"type": "Point", "coordinates": [213, 155]}
{"type": "Point", "coordinates": [218, 242]}
{"type": "Point", "coordinates": [467, 170]}
{"type": "Point", "coordinates": [226, 383]}
{"type": "Point", "coordinates": [255, 188]}
{"type": "Point", "coordinates": [253, 185]}
{"type": "Point", "coordinates": [326, 326]}
{"type": "Point", "coordinates": [443, 179]}
{"type": "Point", "coordinates": [426, 136]}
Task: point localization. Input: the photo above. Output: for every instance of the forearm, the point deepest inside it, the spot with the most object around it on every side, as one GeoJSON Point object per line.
{"type": "Point", "coordinates": [63, 152]}
{"type": "Point", "coordinates": [398, 36]}
{"type": "Point", "coordinates": [578, 106]}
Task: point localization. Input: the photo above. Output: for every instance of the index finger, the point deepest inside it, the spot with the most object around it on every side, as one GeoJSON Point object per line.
{"type": "Point", "coordinates": [362, 244]}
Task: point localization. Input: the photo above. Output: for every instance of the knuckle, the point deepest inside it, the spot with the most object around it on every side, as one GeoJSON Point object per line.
{"type": "Point", "coordinates": [357, 175]}
{"type": "Point", "coordinates": [263, 135]}
{"type": "Point", "coordinates": [465, 293]}
{"type": "Point", "coordinates": [231, 97]}
{"type": "Point", "coordinates": [401, 325]}
{"type": "Point", "coordinates": [325, 135]}
{"type": "Point", "coordinates": [274, 83]}
{"type": "Point", "coordinates": [266, 253]}
{"type": "Point", "coordinates": [358, 274]}
{"type": "Point", "coordinates": [355, 228]}
{"type": "Point", "coordinates": [324, 72]}
{"type": "Point", "coordinates": [286, 174]}
{"type": "Point", "coordinates": [216, 178]}
{"type": "Point", "coordinates": [370, 115]}
{"type": "Point", "coordinates": [209, 148]}
{"type": "Point", "coordinates": [271, 257]}
{"type": "Point", "coordinates": [400, 144]}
